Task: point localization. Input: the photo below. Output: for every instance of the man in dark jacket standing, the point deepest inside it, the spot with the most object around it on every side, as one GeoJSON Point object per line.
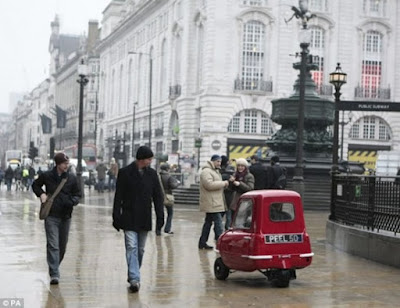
{"type": "Point", "coordinates": [259, 172]}
{"type": "Point", "coordinates": [59, 220]}
{"type": "Point", "coordinates": [137, 186]}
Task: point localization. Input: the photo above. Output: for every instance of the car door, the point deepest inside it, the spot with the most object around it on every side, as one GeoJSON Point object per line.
{"type": "Point", "coordinates": [237, 239]}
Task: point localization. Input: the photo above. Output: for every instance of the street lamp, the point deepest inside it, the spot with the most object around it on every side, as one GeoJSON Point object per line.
{"type": "Point", "coordinates": [150, 85]}
{"type": "Point", "coordinates": [133, 128]}
{"type": "Point", "coordinates": [305, 39]}
{"type": "Point", "coordinates": [337, 79]}
{"type": "Point", "coordinates": [83, 80]}
{"type": "Point", "coordinates": [342, 124]}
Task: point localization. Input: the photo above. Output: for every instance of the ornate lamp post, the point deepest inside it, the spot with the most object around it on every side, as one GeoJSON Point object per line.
{"type": "Point", "coordinates": [83, 80]}
{"type": "Point", "coordinates": [337, 79]}
{"type": "Point", "coordinates": [150, 85]}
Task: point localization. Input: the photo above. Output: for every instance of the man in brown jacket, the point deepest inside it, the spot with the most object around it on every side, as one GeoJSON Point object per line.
{"type": "Point", "coordinates": [212, 200]}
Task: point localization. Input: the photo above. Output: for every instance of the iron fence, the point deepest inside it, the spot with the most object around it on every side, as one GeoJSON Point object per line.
{"type": "Point", "coordinates": [371, 202]}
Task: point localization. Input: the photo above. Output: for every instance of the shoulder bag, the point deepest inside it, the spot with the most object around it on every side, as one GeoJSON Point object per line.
{"type": "Point", "coordinates": [169, 199]}
{"type": "Point", "coordinates": [46, 206]}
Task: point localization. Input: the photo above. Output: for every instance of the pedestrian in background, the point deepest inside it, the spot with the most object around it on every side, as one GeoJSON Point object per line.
{"type": "Point", "coordinates": [259, 172]}
{"type": "Point", "coordinates": [137, 187]}
{"type": "Point", "coordinates": [274, 173]}
{"type": "Point", "coordinates": [31, 178]}
{"type": "Point", "coordinates": [212, 200]}
{"type": "Point", "coordinates": [101, 176]}
{"type": "Point", "coordinates": [227, 170]}
{"type": "Point", "coordinates": [1, 176]}
{"type": "Point", "coordinates": [240, 182]}
{"type": "Point", "coordinates": [58, 222]}
{"type": "Point", "coordinates": [112, 174]}
{"type": "Point", "coordinates": [8, 177]}
{"type": "Point", "coordinates": [169, 183]}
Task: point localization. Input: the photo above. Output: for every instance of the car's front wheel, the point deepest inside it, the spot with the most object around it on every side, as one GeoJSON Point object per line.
{"type": "Point", "coordinates": [221, 271]}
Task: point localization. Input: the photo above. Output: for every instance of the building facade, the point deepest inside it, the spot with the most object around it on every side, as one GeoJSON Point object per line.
{"type": "Point", "coordinates": [213, 68]}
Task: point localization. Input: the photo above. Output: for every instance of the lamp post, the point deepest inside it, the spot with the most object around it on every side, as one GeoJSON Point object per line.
{"type": "Point", "coordinates": [83, 80]}
{"type": "Point", "coordinates": [337, 79]}
{"type": "Point", "coordinates": [150, 86]}
{"type": "Point", "coordinates": [342, 124]}
{"type": "Point", "coordinates": [133, 128]}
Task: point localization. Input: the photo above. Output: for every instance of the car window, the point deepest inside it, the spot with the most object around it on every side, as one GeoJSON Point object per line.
{"type": "Point", "coordinates": [281, 211]}
{"type": "Point", "coordinates": [244, 214]}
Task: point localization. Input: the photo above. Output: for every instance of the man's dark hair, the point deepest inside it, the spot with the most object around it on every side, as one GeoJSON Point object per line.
{"type": "Point", "coordinates": [275, 159]}
{"type": "Point", "coordinates": [255, 157]}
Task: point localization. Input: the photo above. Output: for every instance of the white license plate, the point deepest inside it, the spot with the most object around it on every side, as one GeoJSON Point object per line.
{"type": "Point", "coordinates": [283, 238]}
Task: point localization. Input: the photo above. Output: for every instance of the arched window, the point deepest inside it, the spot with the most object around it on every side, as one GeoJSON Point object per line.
{"type": "Point", "coordinates": [200, 41]}
{"type": "Point", "coordinates": [163, 75]}
{"type": "Point", "coordinates": [251, 121]}
{"type": "Point", "coordinates": [150, 58]}
{"type": "Point", "coordinates": [112, 95]}
{"type": "Point", "coordinates": [140, 82]}
{"type": "Point", "coordinates": [253, 55]}
{"type": "Point", "coordinates": [120, 95]}
{"type": "Point", "coordinates": [178, 60]}
{"type": "Point", "coordinates": [317, 47]}
{"type": "Point", "coordinates": [371, 127]}
{"type": "Point", "coordinates": [130, 84]}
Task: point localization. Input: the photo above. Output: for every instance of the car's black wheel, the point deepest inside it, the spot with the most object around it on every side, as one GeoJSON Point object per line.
{"type": "Point", "coordinates": [221, 271]}
{"type": "Point", "coordinates": [282, 283]}
{"type": "Point", "coordinates": [283, 278]}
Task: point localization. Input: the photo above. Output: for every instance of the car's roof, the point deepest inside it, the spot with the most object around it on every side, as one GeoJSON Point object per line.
{"type": "Point", "coordinates": [269, 193]}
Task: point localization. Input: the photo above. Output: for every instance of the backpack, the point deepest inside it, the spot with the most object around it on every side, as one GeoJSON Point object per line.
{"type": "Point", "coordinates": [281, 181]}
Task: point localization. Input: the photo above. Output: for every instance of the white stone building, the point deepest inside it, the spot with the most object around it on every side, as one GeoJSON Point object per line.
{"type": "Point", "coordinates": [216, 66]}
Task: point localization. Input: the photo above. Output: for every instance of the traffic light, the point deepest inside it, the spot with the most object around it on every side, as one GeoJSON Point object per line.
{"type": "Point", "coordinates": [33, 151]}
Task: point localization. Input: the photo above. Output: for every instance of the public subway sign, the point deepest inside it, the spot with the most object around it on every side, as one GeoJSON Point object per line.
{"type": "Point", "coordinates": [369, 106]}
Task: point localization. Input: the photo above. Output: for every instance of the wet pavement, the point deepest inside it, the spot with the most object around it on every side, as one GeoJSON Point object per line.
{"type": "Point", "coordinates": [174, 272]}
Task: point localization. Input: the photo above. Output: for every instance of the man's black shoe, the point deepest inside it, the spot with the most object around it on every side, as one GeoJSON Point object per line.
{"type": "Point", "coordinates": [135, 286]}
{"type": "Point", "coordinates": [54, 280]}
{"type": "Point", "coordinates": [205, 246]}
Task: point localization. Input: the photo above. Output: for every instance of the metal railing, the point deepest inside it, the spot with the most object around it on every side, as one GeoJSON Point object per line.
{"type": "Point", "coordinates": [371, 202]}
{"type": "Point", "coordinates": [372, 93]}
{"type": "Point", "coordinates": [256, 85]}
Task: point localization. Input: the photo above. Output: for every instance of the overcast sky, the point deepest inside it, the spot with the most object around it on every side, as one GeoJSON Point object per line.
{"type": "Point", "coordinates": [25, 32]}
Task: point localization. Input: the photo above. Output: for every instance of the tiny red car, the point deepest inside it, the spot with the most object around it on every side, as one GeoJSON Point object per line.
{"type": "Point", "coordinates": [267, 234]}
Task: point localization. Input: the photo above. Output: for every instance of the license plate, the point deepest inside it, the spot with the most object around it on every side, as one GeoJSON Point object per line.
{"type": "Point", "coordinates": [283, 238]}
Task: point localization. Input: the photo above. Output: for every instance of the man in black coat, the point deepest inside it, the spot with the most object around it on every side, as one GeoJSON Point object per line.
{"type": "Point", "coordinates": [137, 186]}
{"type": "Point", "coordinates": [58, 222]}
{"type": "Point", "coordinates": [259, 172]}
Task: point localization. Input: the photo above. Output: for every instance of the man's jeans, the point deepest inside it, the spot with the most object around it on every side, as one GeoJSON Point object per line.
{"type": "Point", "coordinates": [228, 219]}
{"type": "Point", "coordinates": [111, 182]}
{"type": "Point", "coordinates": [57, 231]}
{"type": "Point", "coordinates": [8, 182]}
{"type": "Point", "coordinates": [218, 228]}
{"type": "Point", "coordinates": [170, 212]}
{"type": "Point", "coordinates": [134, 249]}
{"type": "Point", "coordinates": [100, 187]}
